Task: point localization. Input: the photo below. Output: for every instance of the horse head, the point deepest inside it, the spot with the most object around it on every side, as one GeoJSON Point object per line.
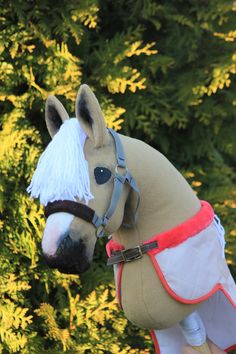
{"type": "Point", "coordinates": [83, 180]}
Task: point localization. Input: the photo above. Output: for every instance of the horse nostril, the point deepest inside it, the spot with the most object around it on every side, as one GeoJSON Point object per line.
{"type": "Point", "coordinates": [70, 257]}
{"type": "Point", "coordinates": [66, 243]}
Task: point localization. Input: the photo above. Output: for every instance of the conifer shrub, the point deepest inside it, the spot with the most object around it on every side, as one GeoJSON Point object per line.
{"type": "Point", "coordinates": [165, 73]}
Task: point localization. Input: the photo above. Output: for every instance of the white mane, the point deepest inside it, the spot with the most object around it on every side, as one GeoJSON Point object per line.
{"type": "Point", "coordinates": [62, 171]}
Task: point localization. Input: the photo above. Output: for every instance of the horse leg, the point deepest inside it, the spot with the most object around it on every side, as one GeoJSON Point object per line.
{"type": "Point", "coordinates": [190, 331]}
{"type": "Point", "coordinates": [194, 332]}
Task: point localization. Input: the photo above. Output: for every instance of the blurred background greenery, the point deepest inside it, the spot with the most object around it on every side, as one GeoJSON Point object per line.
{"type": "Point", "coordinates": [164, 72]}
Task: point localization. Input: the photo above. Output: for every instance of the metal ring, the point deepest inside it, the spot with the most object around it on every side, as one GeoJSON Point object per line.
{"type": "Point", "coordinates": [118, 166]}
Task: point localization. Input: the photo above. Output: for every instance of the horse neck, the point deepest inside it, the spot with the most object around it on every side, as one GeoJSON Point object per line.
{"type": "Point", "coordinates": [166, 199]}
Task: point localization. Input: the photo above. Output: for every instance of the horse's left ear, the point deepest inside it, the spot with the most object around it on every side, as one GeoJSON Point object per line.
{"type": "Point", "coordinates": [89, 114]}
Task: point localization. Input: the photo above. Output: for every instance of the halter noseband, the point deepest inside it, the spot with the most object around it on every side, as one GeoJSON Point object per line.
{"type": "Point", "coordinates": [88, 214]}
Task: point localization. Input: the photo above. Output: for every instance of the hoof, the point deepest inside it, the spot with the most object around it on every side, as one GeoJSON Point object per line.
{"type": "Point", "coordinates": [204, 348]}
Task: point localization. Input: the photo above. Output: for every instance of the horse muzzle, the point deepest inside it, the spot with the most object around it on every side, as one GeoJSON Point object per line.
{"type": "Point", "coordinates": [70, 257]}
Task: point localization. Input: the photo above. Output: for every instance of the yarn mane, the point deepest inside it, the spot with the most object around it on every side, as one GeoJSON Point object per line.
{"type": "Point", "coordinates": [62, 171]}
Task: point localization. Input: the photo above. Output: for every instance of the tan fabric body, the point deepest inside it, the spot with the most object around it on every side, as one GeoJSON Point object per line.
{"type": "Point", "coordinates": [166, 201]}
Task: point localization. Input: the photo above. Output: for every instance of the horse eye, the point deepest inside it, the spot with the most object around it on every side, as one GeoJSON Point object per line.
{"type": "Point", "coordinates": [102, 174]}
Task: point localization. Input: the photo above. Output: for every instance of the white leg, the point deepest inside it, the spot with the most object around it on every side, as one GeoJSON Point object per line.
{"type": "Point", "coordinates": [193, 329]}
{"type": "Point", "coordinates": [190, 331]}
{"type": "Point", "coordinates": [194, 332]}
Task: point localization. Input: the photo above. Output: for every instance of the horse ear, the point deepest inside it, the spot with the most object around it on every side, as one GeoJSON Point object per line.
{"type": "Point", "coordinates": [89, 114]}
{"type": "Point", "coordinates": [55, 115]}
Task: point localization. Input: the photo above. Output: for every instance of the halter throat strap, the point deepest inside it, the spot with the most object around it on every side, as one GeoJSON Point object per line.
{"type": "Point", "coordinates": [86, 213]}
{"type": "Point", "coordinates": [119, 180]}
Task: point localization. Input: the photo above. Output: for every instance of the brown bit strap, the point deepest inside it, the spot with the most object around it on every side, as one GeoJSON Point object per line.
{"type": "Point", "coordinates": [67, 206]}
{"type": "Point", "coordinates": [131, 254]}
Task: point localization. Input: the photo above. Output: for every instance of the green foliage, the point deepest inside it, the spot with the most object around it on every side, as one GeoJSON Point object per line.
{"type": "Point", "coordinates": [165, 72]}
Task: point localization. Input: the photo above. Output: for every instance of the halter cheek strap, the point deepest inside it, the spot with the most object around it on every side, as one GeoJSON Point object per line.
{"type": "Point", "coordinates": [86, 213]}
{"type": "Point", "coordinates": [119, 181]}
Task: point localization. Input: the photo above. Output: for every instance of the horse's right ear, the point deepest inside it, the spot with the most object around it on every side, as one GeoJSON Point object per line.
{"type": "Point", "coordinates": [55, 115]}
{"type": "Point", "coordinates": [89, 114]}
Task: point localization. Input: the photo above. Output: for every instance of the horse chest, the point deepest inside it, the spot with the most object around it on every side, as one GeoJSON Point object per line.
{"type": "Point", "coordinates": [143, 298]}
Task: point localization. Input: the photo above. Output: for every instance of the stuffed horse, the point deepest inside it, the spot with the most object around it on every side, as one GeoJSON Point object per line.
{"type": "Point", "coordinates": [167, 246]}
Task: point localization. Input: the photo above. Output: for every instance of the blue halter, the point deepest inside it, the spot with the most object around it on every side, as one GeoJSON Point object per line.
{"type": "Point", "coordinates": [87, 213]}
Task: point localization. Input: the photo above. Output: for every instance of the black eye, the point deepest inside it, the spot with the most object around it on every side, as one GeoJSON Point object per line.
{"type": "Point", "coordinates": [102, 174]}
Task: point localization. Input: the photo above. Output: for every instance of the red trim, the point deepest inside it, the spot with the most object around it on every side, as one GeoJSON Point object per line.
{"type": "Point", "coordinates": [119, 275]}
{"type": "Point", "coordinates": [113, 246]}
{"type": "Point", "coordinates": [201, 220]}
{"type": "Point", "coordinates": [155, 342]}
{"type": "Point", "coordinates": [189, 228]}
{"type": "Point", "coordinates": [158, 351]}
{"type": "Point", "coordinates": [171, 238]}
{"type": "Point", "coordinates": [110, 246]}
{"type": "Point", "coordinates": [230, 348]}
{"type": "Point", "coordinates": [177, 297]}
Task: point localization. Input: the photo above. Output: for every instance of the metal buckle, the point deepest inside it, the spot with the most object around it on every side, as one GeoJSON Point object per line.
{"type": "Point", "coordinates": [121, 177]}
{"type": "Point", "coordinates": [131, 258]}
